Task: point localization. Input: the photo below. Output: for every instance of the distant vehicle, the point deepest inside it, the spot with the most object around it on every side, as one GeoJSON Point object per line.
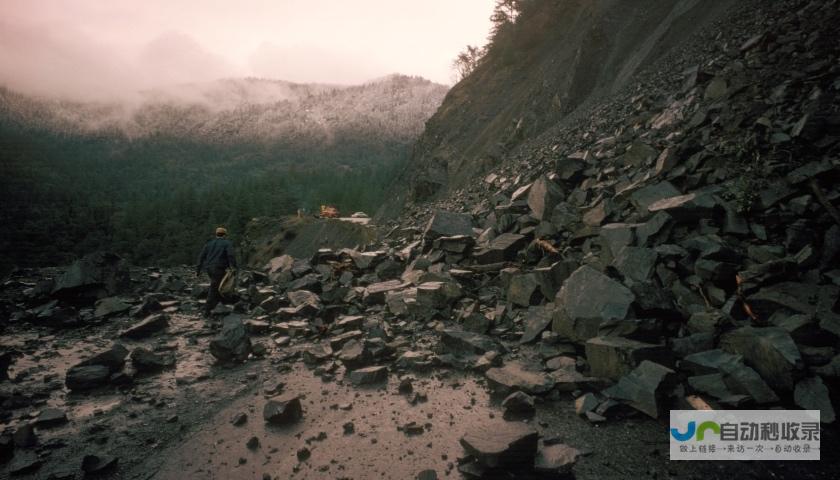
{"type": "Point", "coordinates": [359, 215]}
{"type": "Point", "coordinates": [329, 211]}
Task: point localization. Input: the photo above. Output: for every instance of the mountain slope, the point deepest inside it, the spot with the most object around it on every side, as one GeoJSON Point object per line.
{"type": "Point", "coordinates": [560, 56]}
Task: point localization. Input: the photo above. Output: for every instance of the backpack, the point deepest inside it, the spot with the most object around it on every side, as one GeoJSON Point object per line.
{"type": "Point", "coordinates": [228, 285]}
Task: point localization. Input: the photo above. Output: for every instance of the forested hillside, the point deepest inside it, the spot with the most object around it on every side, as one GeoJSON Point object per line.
{"type": "Point", "coordinates": [150, 177]}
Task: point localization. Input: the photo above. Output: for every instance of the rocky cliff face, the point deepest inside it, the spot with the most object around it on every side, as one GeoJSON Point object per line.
{"type": "Point", "coordinates": [562, 56]}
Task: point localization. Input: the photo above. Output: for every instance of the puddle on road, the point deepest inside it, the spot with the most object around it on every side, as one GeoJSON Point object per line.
{"type": "Point", "coordinates": [376, 448]}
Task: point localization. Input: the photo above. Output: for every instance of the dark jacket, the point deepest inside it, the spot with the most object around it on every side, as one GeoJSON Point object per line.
{"type": "Point", "coordinates": [216, 254]}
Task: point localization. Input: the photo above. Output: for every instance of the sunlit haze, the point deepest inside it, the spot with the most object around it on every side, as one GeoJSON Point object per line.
{"type": "Point", "coordinates": [94, 48]}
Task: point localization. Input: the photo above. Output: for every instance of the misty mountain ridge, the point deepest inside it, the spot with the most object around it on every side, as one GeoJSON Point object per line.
{"type": "Point", "coordinates": [237, 110]}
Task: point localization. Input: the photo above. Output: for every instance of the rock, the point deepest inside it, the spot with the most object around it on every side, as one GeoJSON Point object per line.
{"type": "Point", "coordinates": [648, 195]}
{"type": "Point", "coordinates": [639, 154]}
{"type": "Point", "coordinates": [613, 357]}
{"type": "Point", "coordinates": [232, 344]}
{"type": "Point", "coordinates": [551, 278]}
{"type": "Point", "coordinates": [501, 444]}
{"type": "Point", "coordinates": [146, 361]}
{"type": "Point", "coordinates": [616, 236]}
{"type": "Point", "coordinates": [110, 306]}
{"type": "Point", "coordinates": [477, 323]}
{"type": "Point", "coordinates": [685, 208]}
{"type": "Point", "coordinates": [646, 388]}
{"type": "Point", "coordinates": [636, 263]}
{"type": "Point", "coordinates": [317, 353]}
{"type": "Point", "coordinates": [739, 378]}
{"type": "Point", "coordinates": [596, 215]}
{"type": "Point", "coordinates": [811, 394]}
{"type": "Point", "coordinates": [469, 343]}
{"type": "Point", "coordinates": [24, 462]}
{"type": "Point", "coordinates": [427, 475]}
{"type": "Point", "coordinates": [518, 405]}
{"type": "Point", "coordinates": [80, 378]}
{"type": "Point", "coordinates": [354, 354]}
{"type": "Point", "coordinates": [537, 319]}
{"type": "Point", "coordinates": [375, 293]}
{"type": "Point", "coordinates": [98, 464]}
{"type": "Point", "coordinates": [147, 327]}
{"type": "Point", "coordinates": [716, 89]}
{"type": "Point", "coordinates": [369, 375]}
{"type": "Point", "coordinates": [556, 459]}
{"type": "Point", "coordinates": [438, 295]}
{"type": "Point", "coordinates": [239, 419]}
{"type": "Point", "coordinates": [24, 436]}
{"type": "Point", "coordinates": [283, 410]}
{"type": "Point", "coordinates": [543, 196]}
{"type": "Point", "coordinates": [524, 290]}
{"type": "Point", "coordinates": [50, 417]}
{"type": "Point", "coordinates": [93, 277]}
{"type": "Point", "coordinates": [587, 298]}
{"type": "Point", "coordinates": [500, 249]}
{"type": "Point", "coordinates": [586, 403]}
{"type": "Point", "coordinates": [769, 350]}
{"type": "Point", "coordinates": [447, 224]}
{"type": "Point", "coordinates": [514, 377]}
{"type": "Point", "coordinates": [415, 360]}
{"type": "Point", "coordinates": [113, 358]}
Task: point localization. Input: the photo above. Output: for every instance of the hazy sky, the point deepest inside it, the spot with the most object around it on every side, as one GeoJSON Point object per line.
{"type": "Point", "coordinates": [105, 47]}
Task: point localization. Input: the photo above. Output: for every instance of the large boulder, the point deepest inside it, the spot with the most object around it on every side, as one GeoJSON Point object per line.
{"type": "Point", "coordinates": [233, 343]}
{"type": "Point", "coordinates": [113, 358]}
{"type": "Point", "coordinates": [147, 361]}
{"type": "Point", "coordinates": [501, 444]}
{"type": "Point", "coordinates": [543, 196]}
{"type": "Point", "coordinates": [87, 377]}
{"type": "Point", "coordinates": [587, 298]}
{"type": "Point", "coordinates": [447, 224]}
{"type": "Point", "coordinates": [612, 357]}
{"type": "Point", "coordinates": [769, 350]}
{"type": "Point", "coordinates": [92, 277]}
{"type": "Point", "coordinates": [646, 388]}
{"type": "Point", "coordinates": [500, 249]}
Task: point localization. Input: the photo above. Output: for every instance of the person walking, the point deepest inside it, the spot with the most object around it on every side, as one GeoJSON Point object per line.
{"type": "Point", "coordinates": [216, 257]}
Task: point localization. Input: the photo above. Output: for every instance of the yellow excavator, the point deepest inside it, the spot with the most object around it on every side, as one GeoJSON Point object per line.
{"type": "Point", "coordinates": [328, 211]}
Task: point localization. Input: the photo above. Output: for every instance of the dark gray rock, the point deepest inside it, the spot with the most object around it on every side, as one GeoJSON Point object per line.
{"type": "Point", "coordinates": [587, 298]}
{"type": "Point", "coordinates": [369, 375]}
{"type": "Point", "coordinates": [648, 195]}
{"type": "Point", "coordinates": [283, 410]}
{"type": "Point", "coordinates": [447, 224]}
{"type": "Point", "coordinates": [812, 394]}
{"type": "Point", "coordinates": [94, 276]}
{"type": "Point", "coordinates": [147, 327]}
{"type": "Point", "coordinates": [113, 358]}
{"type": "Point", "coordinates": [501, 444]}
{"type": "Point", "coordinates": [468, 343]}
{"type": "Point", "coordinates": [109, 306]}
{"type": "Point", "coordinates": [646, 388]}
{"type": "Point", "coordinates": [537, 319]}
{"type": "Point", "coordinates": [98, 464]}
{"type": "Point", "coordinates": [686, 208]}
{"type": "Point", "coordinates": [518, 405]}
{"type": "Point", "coordinates": [233, 343]}
{"type": "Point", "coordinates": [50, 417]}
{"type": "Point", "coordinates": [26, 461]}
{"type": "Point", "coordinates": [636, 263]}
{"type": "Point", "coordinates": [524, 290]}
{"type": "Point", "coordinates": [146, 361]}
{"type": "Point", "coordinates": [354, 354]}
{"type": "Point", "coordinates": [515, 377]}
{"type": "Point", "coordinates": [438, 295]}
{"type": "Point", "coordinates": [614, 357]}
{"type": "Point", "coordinates": [375, 293]}
{"type": "Point", "coordinates": [500, 249]}
{"type": "Point", "coordinates": [543, 196]}
{"type": "Point", "coordinates": [769, 350]}
{"type": "Point", "coordinates": [80, 378]}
